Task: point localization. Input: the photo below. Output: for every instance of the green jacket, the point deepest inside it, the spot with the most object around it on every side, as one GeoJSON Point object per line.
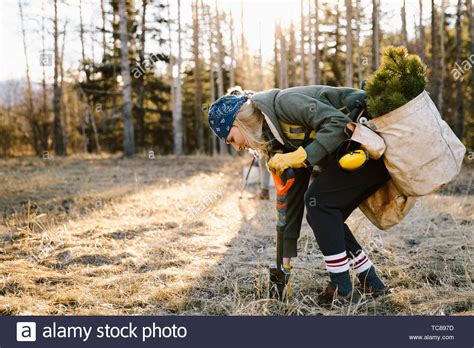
{"type": "Point", "coordinates": [324, 109]}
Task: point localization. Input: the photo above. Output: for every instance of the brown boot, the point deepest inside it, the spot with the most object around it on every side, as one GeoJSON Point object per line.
{"type": "Point", "coordinates": [367, 290]}
{"type": "Point", "coordinates": [264, 195]}
{"type": "Point", "coordinates": [331, 294]}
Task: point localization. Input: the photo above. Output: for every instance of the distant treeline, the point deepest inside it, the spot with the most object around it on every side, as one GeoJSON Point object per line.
{"type": "Point", "coordinates": [132, 99]}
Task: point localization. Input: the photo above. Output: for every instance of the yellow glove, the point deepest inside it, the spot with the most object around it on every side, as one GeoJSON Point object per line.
{"type": "Point", "coordinates": [282, 161]}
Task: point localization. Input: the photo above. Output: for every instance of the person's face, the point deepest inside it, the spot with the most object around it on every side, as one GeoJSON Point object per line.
{"type": "Point", "coordinates": [236, 138]}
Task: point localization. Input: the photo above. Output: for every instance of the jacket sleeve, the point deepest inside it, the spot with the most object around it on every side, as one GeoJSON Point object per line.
{"type": "Point", "coordinates": [312, 113]}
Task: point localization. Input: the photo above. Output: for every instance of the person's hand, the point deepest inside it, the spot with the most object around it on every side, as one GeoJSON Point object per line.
{"type": "Point", "coordinates": [282, 161]}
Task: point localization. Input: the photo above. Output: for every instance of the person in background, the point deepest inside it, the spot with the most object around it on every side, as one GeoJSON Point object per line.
{"type": "Point", "coordinates": [264, 176]}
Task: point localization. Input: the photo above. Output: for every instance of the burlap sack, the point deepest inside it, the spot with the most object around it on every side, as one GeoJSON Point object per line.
{"type": "Point", "coordinates": [387, 206]}
{"type": "Point", "coordinates": [422, 151]}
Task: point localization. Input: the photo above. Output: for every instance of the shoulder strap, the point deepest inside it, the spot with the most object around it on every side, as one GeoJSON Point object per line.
{"type": "Point", "coordinates": [297, 132]}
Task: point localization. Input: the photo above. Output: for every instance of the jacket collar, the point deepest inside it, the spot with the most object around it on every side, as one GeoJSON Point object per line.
{"type": "Point", "coordinates": [265, 102]}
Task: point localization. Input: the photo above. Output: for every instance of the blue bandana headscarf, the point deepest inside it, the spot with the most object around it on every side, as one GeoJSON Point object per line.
{"type": "Point", "coordinates": [222, 114]}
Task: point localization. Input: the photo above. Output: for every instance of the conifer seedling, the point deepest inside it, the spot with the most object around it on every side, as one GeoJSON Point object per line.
{"type": "Point", "coordinates": [400, 78]}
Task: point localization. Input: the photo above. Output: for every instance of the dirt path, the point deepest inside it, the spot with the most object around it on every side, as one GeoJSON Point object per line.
{"type": "Point", "coordinates": [163, 236]}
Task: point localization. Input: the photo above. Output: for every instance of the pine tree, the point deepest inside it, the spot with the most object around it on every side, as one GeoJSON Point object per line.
{"type": "Point", "coordinates": [400, 78]}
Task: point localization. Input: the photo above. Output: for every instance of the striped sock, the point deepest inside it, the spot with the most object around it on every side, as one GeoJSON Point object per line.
{"type": "Point", "coordinates": [337, 263]}
{"type": "Point", "coordinates": [360, 263]}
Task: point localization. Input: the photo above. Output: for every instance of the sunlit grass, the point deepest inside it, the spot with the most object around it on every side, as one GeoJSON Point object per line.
{"type": "Point", "coordinates": [171, 236]}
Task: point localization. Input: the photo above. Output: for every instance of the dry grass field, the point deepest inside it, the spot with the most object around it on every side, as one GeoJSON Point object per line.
{"type": "Point", "coordinates": [111, 236]}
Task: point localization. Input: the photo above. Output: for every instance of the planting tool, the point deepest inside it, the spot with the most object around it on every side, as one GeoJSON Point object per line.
{"type": "Point", "coordinates": [246, 177]}
{"type": "Point", "coordinates": [279, 275]}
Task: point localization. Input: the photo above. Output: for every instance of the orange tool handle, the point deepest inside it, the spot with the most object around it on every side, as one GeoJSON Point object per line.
{"type": "Point", "coordinates": [281, 185]}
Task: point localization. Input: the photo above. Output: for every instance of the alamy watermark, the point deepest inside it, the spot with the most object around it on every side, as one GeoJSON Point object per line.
{"type": "Point", "coordinates": [461, 69]}
{"type": "Point", "coordinates": [200, 207]}
{"type": "Point", "coordinates": [147, 64]}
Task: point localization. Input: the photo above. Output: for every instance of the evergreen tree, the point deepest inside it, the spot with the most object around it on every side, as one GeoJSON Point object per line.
{"type": "Point", "coordinates": [400, 78]}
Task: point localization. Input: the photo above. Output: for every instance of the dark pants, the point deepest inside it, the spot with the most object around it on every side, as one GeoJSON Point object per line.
{"type": "Point", "coordinates": [329, 200]}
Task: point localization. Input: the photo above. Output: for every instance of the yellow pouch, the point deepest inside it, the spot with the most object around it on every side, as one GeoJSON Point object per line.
{"type": "Point", "coordinates": [353, 160]}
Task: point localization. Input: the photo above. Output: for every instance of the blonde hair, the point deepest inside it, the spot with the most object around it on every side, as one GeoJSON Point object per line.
{"type": "Point", "coordinates": [249, 120]}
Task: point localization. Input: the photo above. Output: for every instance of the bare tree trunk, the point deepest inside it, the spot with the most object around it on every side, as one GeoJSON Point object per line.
{"type": "Point", "coordinates": [417, 34]}
{"type": "Point", "coordinates": [242, 36]}
{"type": "Point", "coordinates": [434, 53]}
{"type": "Point", "coordinates": [442, 57]}
{"type": "Point", "coordinates": [83, 130]}
{"type": "Point", "coordinates": [337, 48]}
{"type": "Point", "coordinates": [245, 59]}
{"type": "Point", "coordinates": [61, 87]}
{"type": "Point", "coordinates": [44, 126]}
{"type": "Point", "coordinates": [220, 61]}
{"type": "Point", "coordinates": [459, 125]}
{"type": "Point", "coordinates": [91, 114]}
{"type": "Point", "coordinates": [28, 79]}
{"type": "Point", "coordinates": [104, 40]}
{"type": "Point", "coordinates": [92, 42]}
{"type": "Point", "coordinates": [210, 30]}
{"type": "Point", "coordinates": [312, 78]}
{"type": "Point", "coordinates": [213, 97]}
{"type": "Point", "coordinates": [115, 57]}
{"type": "Point", "coordinates": [29, 101]}
{"type": "Point", "coordinates": [421, 28]}
{"type": "Point", "coordinates": [58, 132]}
{"type": "Point", "coordinates": [171, 58]}
{"type": "Point", "coordinates": [292, 56]}
{"type": "Point", "coordinates": [88, 117]}
{"type": "Point", "coordinates": [170, 69]}
{"type": "Point", "coordinates": [283, 59]}
{"type": "Point", "coordinates": [220, 54]}
{"type": "Point", "coordinates": [276, 53]}
{"type": "Point", "coordinates": [358, 43]}
{"type": "Point", "coordinates": [375, 33]}
{"type": "Point", "coordinates": [302, 42]}
{"type": "Point", "coordinates": [260, 83]}
{"type": "Point", "coordinates": [324, 76]}
{"type": "Point", "coordinates": [178, 114]}
{"type": "Point", "coordinates": [471, 30]}
{"type": "Point", "coordinates": [232, 51]}
{"type": "Point", "coordinates": [404, 34]}
{"type": "Point", "coordinates": [349, 57]}
{"type": "Point", "coordinates": [128, 136]}
{"type": "Point", "coordinates": [81, 36]}
{"type": "Point", "coordinates": [317, 52]}
{"type": "Point", "coordinates": [197, 78]}
{"type": "Point", "coordinates": [140, 111]}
